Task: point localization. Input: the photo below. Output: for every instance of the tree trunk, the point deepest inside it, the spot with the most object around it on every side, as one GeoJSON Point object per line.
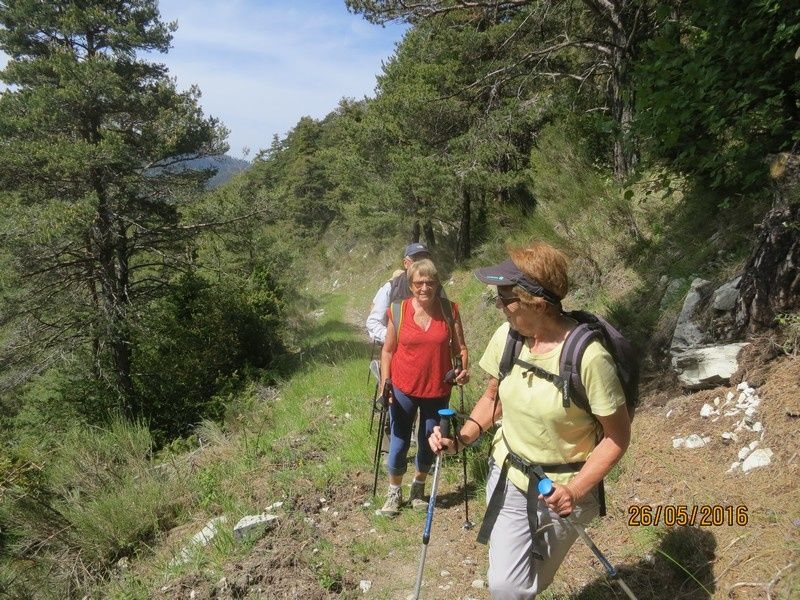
{"type": "Point", "coordinates": [771, 280]}
{"type": "Point", "coordinates": [622, 97]}
{"type": "Point", "coordinates": [112, 255]}
{"type": "Point", "coordinates": [416, 230]}
{"type": "Point", "coordinates": [463, 249]}
{"type": "Point", "coordinates": [430, 237]}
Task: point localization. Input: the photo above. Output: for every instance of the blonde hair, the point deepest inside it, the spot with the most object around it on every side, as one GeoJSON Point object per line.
{"type": "Point", "coordinates": [545, 264]}
{"type": "Point", "coordinates": [424, 267]}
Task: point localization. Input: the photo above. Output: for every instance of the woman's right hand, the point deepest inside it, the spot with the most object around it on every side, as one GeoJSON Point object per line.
{"type": "Point", "coordinates": [387, 392]}
{"type": "Point", "coordinates": [439, 443]}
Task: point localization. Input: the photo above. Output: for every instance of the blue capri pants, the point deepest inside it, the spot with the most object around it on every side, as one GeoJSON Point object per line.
{"type": "Point", "coordinates": [401, 417]}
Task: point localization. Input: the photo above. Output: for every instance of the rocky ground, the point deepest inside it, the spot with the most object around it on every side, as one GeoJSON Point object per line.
{"type": "Point", "coordinates": [744, 541]}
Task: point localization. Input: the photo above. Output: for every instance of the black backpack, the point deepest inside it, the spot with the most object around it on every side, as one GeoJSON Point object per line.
{"type": "Point", "coordinates": [568, 380]}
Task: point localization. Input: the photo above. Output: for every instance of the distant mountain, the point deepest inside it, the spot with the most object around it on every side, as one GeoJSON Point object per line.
{"type": "Point", "coordinates": [226, 166]}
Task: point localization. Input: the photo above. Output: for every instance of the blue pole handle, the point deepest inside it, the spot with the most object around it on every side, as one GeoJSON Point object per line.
{"type": "Point", "coordinates": [445, 415]}
{"type": "Point", "coordinates": [545, 487]}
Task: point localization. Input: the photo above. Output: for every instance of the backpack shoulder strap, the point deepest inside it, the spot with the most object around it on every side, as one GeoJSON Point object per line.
{"type": "Point", "coordinates": [511, 352]}
{"type": "Point", "coordinates": [447, 312]}
{"type": "Point", "coordinates": [588, 329]}
{"type": "Point", "coordinates": [449, 319]}
{"type": "Point", "coordinates": [397, 317]}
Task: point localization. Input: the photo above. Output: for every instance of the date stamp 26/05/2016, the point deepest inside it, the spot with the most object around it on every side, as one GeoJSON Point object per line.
{"type": "Point", "coordinates": [701, 515]}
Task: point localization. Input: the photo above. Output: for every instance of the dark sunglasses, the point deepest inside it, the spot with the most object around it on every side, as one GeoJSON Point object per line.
{"type": "Point", "coordinates": [493, 297]}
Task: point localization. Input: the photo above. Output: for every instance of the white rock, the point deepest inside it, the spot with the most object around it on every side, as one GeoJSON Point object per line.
{"type": "Point", "coordinates": [716, 401]}
{"type": "Point", "coordinates": [742, 386]}
{"type": "Point", "coordinates": [759, 458]}
{"type": "Point", "coordinates": [704, 367]}
{"type": "Point", "coordinates": [365, 585]}
{"type": "Point", "coordinates": [669, 413]}
{"type": "Point", "coordinates": [444, 574]}
{"type": "Point", "coordinates": [725, 296]}
{"type": "Point", "coordinates": [707, 411]}
{"type": "Point", "coordinates": [753, 445]}
{"type": "Point", "coordinates": [729, 396]}
{"type": "Point", "coordinates": [757, 426]}
{"type": "Point", "coordinates": [751, 411]}
{"type": "Point", "coordinates": [478, 584]}
{"type": "Point", "coordinates": [273, 506]}
{"type": "Point", "coordinates": [254, 525]}
{"type": "Point", "coordinates": [749, 392]}
{"type": "Point", "coordinates": [744, 453]}
{"type": "Point", "coordinates": [678, 442]}
{"type": "Point", "coordinates": [695, 441]}
{"type": "Point", "coordinates": [366, 504]}
{"type": "Point", "coordinates": [729, 437]}
{"type": "Point", "coordinates": [734, 467]}
{"type": "Point", "coordinates": [730, 413]}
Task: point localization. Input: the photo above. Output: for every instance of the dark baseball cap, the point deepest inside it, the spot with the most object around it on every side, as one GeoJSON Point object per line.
{"type": "Point", "coordinates": [415, 248]}
{"type": "Point", "coordinates": [507, 273]}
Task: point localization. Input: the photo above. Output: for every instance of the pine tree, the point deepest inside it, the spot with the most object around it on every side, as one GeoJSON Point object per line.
{"type": "Point", "coordinates": [93, 136]}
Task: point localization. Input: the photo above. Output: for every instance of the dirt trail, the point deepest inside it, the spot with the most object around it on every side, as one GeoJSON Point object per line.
{"type": "Point", "coordinates": [326, 548]}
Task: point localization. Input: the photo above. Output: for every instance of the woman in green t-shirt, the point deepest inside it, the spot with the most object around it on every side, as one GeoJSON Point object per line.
{"type": "Point", "coordinates": [539, 435]}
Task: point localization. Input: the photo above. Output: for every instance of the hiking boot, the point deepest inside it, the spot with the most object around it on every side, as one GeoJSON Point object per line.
{"type": "Point", "coordinates": [391, 508]}
{"type": "Point", "coordinates": [416, 498]}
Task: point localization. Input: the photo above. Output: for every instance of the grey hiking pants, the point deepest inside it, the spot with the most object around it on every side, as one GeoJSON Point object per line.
{"type": "Point", "coordinates": [514, 573]}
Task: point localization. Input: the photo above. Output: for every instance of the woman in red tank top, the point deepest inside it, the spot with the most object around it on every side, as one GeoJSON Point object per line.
{"type": "Point", "coordinates": [416, 357]}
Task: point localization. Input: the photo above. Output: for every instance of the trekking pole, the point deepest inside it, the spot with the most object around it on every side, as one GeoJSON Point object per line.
{"type": "Point", "coordinates": [445, 414]}
{"type": "Point", "coordinates": [546, 488]}
{"type": "Point", "coordinates": [375, 371]}
{"type": "Point", "coordinates": [467, 523]}
{"type": "Point", "coordinates": [384, 403]}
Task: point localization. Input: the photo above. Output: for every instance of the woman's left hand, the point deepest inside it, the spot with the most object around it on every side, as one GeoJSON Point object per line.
{"type": "Point", "coordinates": [562, 501]}
{"type": "Point", "coordinates": [462, 377]}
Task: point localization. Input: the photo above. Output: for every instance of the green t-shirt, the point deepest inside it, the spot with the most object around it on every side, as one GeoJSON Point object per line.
{"type": "Point", "coordinates": [535, 424]}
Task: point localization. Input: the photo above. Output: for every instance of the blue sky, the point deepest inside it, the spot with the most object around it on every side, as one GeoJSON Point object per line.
{"type": "Point", "coordinates": [261, 65]}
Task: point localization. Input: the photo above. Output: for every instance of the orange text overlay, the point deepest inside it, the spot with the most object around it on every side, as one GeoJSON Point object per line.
{"type": "Point", "coordinates": [701, 515]}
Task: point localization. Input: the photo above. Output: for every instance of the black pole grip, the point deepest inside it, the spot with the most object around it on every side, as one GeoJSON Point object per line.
{"type": "Point", "coordinates": [444, 426]}
{"type": "Point", "coordinates": [387, 390]}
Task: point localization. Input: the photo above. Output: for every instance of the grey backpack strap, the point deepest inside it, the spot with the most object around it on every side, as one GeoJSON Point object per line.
{"type": "Point", "coordinates": [449, 319]}
{"type": "Point", "coordinates": [570, 362]}
{"type": "Point", "coordinates": [513, 348]}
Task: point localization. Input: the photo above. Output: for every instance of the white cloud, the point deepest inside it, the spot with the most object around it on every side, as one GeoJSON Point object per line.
{"type": "Point", "coordinates": [263, 64]}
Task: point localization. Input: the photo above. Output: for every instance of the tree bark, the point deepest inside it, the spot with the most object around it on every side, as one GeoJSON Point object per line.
{"type": "Point", "coordinates": [112, 254]}
{"type": "Point", "coordinates": [430, 236]}
{"type": "Point", "coordinates": [463, 249]}
{"type": "Point", "coordinates": [416, 230]}
{"type": "Point", "coordinates": [622, 97]}
{"type": "Point", "coordinates": [771, 280]}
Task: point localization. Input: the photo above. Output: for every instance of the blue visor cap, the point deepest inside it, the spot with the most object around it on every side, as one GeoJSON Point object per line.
{"type": "Point", "coordinates": [415, 248]}
{"type": "Point", "coordinates": [507, 273]}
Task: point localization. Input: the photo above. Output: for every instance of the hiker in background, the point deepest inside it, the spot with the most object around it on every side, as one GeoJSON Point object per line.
{"type": "Point", "coordinates": [539, 434]}
{"type": "Point", "coordinates": [422, 333]}
{"type": "Point", "coordinates": [392, 291]}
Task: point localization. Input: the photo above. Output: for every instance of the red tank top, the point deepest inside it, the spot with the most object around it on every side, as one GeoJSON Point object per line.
{"type": "Point", "coordinates": [422, 358]}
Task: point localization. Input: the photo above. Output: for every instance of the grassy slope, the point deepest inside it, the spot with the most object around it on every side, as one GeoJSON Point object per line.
{"type": "Point", "coordinates": [306, 444]}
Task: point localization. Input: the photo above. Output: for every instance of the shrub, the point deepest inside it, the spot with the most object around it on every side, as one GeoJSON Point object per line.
{"type": "Point", "coordinates": [193, 343]}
